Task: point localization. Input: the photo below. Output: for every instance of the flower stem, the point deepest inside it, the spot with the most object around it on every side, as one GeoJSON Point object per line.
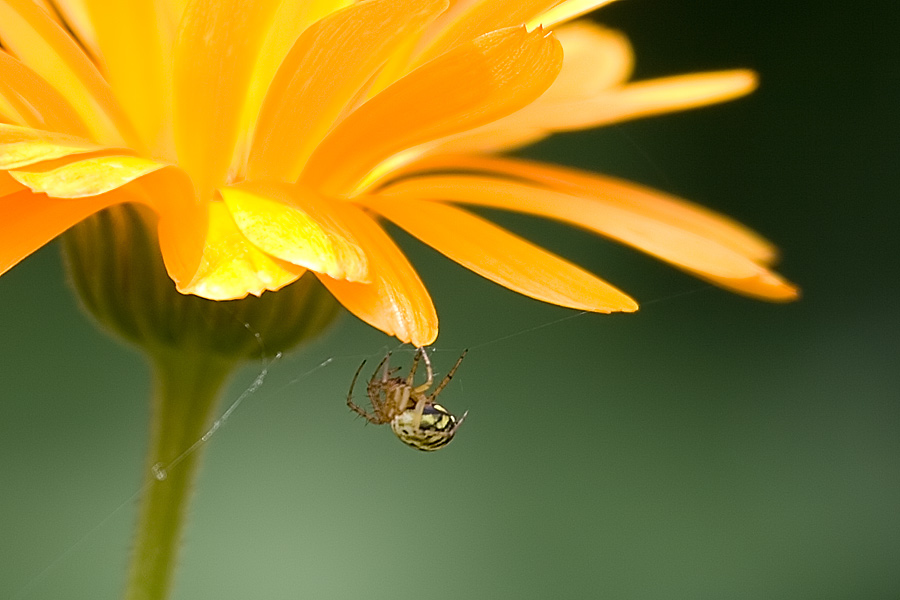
{"type": "Point", "coordinates": [187, 386]}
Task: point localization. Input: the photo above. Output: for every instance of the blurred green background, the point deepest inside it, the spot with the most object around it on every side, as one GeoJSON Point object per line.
{"type": "Point", "coordinates": [708, 446]}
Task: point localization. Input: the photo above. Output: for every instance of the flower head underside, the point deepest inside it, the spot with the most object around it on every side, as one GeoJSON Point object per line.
{"type": "Point", "coordinates": [272, 138]}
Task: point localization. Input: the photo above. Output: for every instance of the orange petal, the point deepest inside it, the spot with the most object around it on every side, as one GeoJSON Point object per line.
{"type": "Point", "coordinates": [502, 257]}
{"type": "Point", "coordinates": [8, 185]}
{"type": "Point", "coordinates": [473, 84]}
{"type": "Point", "coordinates": [132, 41]}
{"type": "Point", "coordinates": [645, 98]}
{"type": "Point", "coordinates": [31, 220]}
{"type": "Point", "coordinates": [38, 104]}
{"type": "Point", "coordinates": [595, 59]}
{"type": "Point", "coordinates": [23, 146]}
{"type": "Point", "coordinates": [88, 177]}
{"type": "Point", "coordinates": [472, 19]}
{"type": "Point", "coordinates": [38, 41]}
{"type": "Point", "coordinates": [396, 302]}
{"type": "Point", "coordinates": [292, 18]}
{"type": "Point", "coordinates": [183, 219]}
{"type": "Point", "coordinates": [614, 192]}
{"type": "Point", "coordinates": [214, 58]}
{"type": "Point", "coordinates": [75, 14]}
{"type": "Point", "coordinates": [566, 11]}
{"type": "Point", "coordinates": [293, 224]}
{"type": "Point", "coordinates": [232, 267]}
{"type": "Point", "coordinates": [683, 248]}
{"type": "Point", "coordinates": [325, 70]}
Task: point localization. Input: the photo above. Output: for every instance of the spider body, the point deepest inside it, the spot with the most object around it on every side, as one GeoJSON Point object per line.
{"type": "Point", "coordinates": [416, 418]}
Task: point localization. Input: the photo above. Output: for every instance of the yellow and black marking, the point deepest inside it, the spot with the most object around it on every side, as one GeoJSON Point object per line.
{"type": "Point", "coordinates": [414, 415]}
{"type": "Point", "coordinates": [435, 430]}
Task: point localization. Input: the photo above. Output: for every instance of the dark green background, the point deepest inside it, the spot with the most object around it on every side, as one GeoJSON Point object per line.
{"type": "Point", "coordinates": [709, 446]}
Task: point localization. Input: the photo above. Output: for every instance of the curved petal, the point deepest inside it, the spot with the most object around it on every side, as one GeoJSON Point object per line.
{"type": "Point", "coordinates": [566, 11]}
{"type": "Point", "coordinates": [232, 267]}
{"type": "Point", "coordinates": [643, 99]}
{"type": "Point", "coordinates": [473, 84]}
{"type": "Point", "coordinates": [396, 302]}
{"type": "Point", "coordinates": [135, 49]}
{"type": "Point", "coordinates": [614, 192]}
{"type": "Point", "coordinates": [293, 224]}
{"type": "Point", "coordinates": [478, 18]}
{"type": "Point", "coordinates": [36, 101]}
{"type": "Point", "coordinates": [502, 257]}
{"type": "Point", "coordinates": [325, 70]}
{"type": "Point", "coordinates": [88, 177]}
{"type": "Point", "coordinates": [32, 220]}
{"type": "Point", "coordinates": [291, 19]}
{"type": "Point", "coordinates": [214, 58]}
{"type": "Point", "coordinates": [40, 43]}
{"type": "Point", "coordinates": [23, 146]}
{"type": "Point", "coordinates": [8, 185]}
{"type": "Point", "coordinates": [685, 249]}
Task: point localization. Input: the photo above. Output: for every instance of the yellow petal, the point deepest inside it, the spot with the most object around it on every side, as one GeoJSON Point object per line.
{"type": "Point", "coordinates": [232, 267]}
{"type": "Point", "coordinates": [293, 224]}
{"type": "Point", "coordinates": [326, 69]}
{"type": "Point", "coordinates": [502, 257]}
{"type": "Point", "coordinates": [566, 11]}
{"type": "Point", "coordinates": [291, 19]}
{"type": "Point", "coordinates": [132, 39]}
{"type": "Point", "coordinates": [31, 220]}
{"type": "Point", "coordinates": [473, 19]}
{"type": "Point", "coordinates": [692, 252]}
{"type": "Point", "coordinates": [88, 177]}
{"type": "Point", "coordinates": [595, 60]}
{"type": "Point", "coordinates": [214, 58]}
{"type": "Point", "coordinates": [396, 302]}
{"type": "Point", "coordinates": [616, 193]}
{"type": "Point", "coordinates": [39, 42]}
{"type": "Point", "coordinates": [38, 104]}
{"type": "Point", "coordinates": [76, 16]}
{"type": "Point", "coordinates": [473, 84]}
{"type": "Point", "coordinates": [23, 146]}
{"type": "Point", "coordinates": [643, 99]}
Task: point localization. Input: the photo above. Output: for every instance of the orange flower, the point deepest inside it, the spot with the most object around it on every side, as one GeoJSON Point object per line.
{"type": "Point", "coordinates": [270, 137]}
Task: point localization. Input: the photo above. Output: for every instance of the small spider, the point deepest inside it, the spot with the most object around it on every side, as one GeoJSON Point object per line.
{"type": "Point", "coordinates": [414, 417]}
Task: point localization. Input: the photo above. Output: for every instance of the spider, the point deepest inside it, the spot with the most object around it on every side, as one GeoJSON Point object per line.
{"type": "Point", "coordinates": [415, 418]}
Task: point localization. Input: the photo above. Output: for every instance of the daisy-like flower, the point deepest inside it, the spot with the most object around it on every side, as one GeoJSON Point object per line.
{"type": "Point", "coordinates": [271, 137]}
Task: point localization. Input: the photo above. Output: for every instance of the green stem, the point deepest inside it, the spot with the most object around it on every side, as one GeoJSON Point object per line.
{"type": "Point", "coordinates": [187, 386]}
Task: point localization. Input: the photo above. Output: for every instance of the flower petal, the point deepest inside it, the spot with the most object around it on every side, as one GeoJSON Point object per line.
{"type": "Point", "coordinates": [473, 84]}
{"type": "Point", "coordinates": [40, 43]}
{"type": "Point", "coordinates": [214, 59]}
{"type": "Point", "coordinates": [88, 177]}
{"type": "Point", "coordinates": [325, 70]}
{"type": "Point", "coordinates": [293, 224]}
{"type": "Point", "coordinates": [232, 267]}
{"type": "Point", "coordinates": [502, 257]}
{"type": "Point", "coordinates": [566, 11]}
{"type": "Point", "coordinates": [31, 220]}
{"type": "Point", "coordinates": [683, 248]}
{"type": "Point", "coordinates": [38, 103]}
{"type": "Point", "coordinates": [614, 192]}
{"type": "Point", "coordinates": [23, 146]}
{"type": "Point", "coordinates": [396, 301]}
{"type": "Point", "coordinates": [135, 47]}
{"type": "Point", "coordinates": [291, 19]}
{"type": "Point", "coordinates": [474, 19]}
{"type": "Point", "coordinates": [643, 99]}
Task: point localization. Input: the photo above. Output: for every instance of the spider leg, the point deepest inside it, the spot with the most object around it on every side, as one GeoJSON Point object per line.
{"type": "Point", "coordinates": [430, 374]}
{"type": "Point", "coordinates": [353, 406]}
{"type": "Point", "coordinates": [447, 379]}
{"type": "Point", "coordinates": [421, 401]}
{"type": "Point", "coordinates": [385, 362]}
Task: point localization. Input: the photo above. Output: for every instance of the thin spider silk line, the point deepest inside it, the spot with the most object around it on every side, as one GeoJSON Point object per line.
{"type": "Point", "coordinates": [161, 471]}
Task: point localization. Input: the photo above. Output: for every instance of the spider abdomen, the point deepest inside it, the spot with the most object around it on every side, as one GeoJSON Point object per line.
{"type": "Point", "coordinates": [435, 429]}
